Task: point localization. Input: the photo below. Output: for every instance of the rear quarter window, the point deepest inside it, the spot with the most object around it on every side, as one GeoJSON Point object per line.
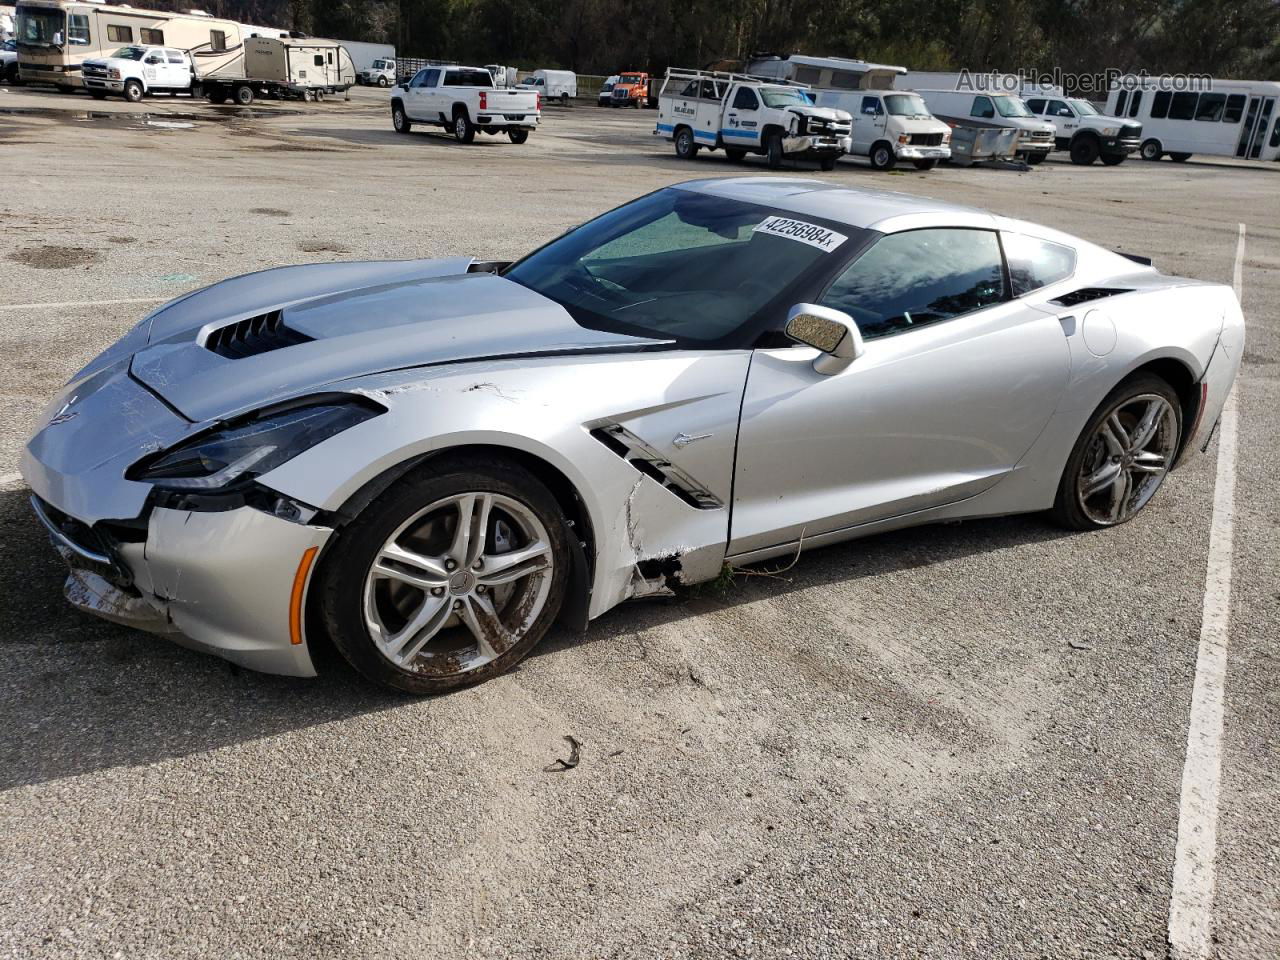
{"type": "Point", "coordinates": [1035, 263]}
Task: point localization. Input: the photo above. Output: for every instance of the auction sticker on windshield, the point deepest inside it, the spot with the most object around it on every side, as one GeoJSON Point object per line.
{"type": "Point", "coordinates": [809, 233]}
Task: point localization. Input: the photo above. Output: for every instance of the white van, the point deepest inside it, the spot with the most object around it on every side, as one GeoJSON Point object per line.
{"type": "Point", "coordinates": [559, 85]}
{"type": "Point", "coordinates": [891, 125]}
{"type": "Point", "coordinates": [969, 109]}
{"type": "Point", "coordinates": [1235, 118]}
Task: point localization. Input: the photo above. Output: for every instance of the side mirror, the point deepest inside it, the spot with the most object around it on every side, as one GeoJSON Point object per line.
{"type": "Point", "coordinates": [833, 332]}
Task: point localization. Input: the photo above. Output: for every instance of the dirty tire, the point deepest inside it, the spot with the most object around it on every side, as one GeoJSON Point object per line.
{"type": "Point", "coordinates": [244, 95]}
{"type": "Point", "coordinates": [382, 81]}
{"type": "Point", "coordinates": [1067, 510]}
{"type": "Point", "coordinates": [463, 129]}
{"type": "Point", "coordinates": [1151, 149]}
{"type": "Point", "coordinates": [133, 91]}
{"type": "Point", "coordinates": [518, 135]}
{"type": "Point", "coordinates": [339, 583]}
{"type": "Point", "coordinates": [773, 150]}
{"type": "Point", "coordinates": [1084, 150]}
{"type": "Point", "coordinates": [399, 119]}
{"type": "Point", "coordinates": [924, 164]}
{"type": "Point", "coordinates": [882, 156]}
{"type": "Point", "coordinates": [686, 146]}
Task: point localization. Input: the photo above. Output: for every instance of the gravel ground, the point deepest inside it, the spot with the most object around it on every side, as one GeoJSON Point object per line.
{"type": "Point", "coordinates": [957, 741]}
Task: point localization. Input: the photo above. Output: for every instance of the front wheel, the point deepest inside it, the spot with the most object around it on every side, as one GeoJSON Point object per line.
{"type": "Point", "coordinates": [518, 135]}
{"type": "Point", "coordinates": [1151, 149]}
{"type": "Point", "coordinates": [924, 164]}
{"type": "Point", "coordinates": [882, 157]}
{"type": "Point", "coordinates": [382, 81]}
{"type": "Point", "coordinates": [1122, 457]}
{"type": "Point", "coordinates": [1035, 159]}
{"type": "Point", "coordinates": [463, 129]}
{"type": "Point", "coordinates": [1113, 159]}
{"type": "Point", "coordinates": [1179, 157]}
{"type": "Point", "coordinates": [686, 147]}
{"type": "Point", "coordinates": [399, 119]}
{"type": "Point", "coordinates": [449, 578]}
{"type": "Point", "coordinates": [773, 151]}
{"type": "Point", "coordinates": [827, 164]}
{"type": "Point", "coordinates": [98, 94]}
{"type": "Point", "coordinates": [1084, 150]}
{"type": "Point", "coordinates": [133, 91]}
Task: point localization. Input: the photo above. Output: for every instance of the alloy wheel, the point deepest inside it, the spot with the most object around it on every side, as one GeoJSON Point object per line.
{"type": "Point", "coordinates": [1127, 459]}
{"type": "Point", "coordinates": [458, 584]}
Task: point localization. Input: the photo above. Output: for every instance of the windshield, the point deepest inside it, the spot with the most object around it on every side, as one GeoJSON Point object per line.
{"type": "Point", "coordinates": [784, 96]}
{"type": "Point", "coordinates": [905, 105]}
{"type": "Point", "coordinates": [630, 78]}
{"type": "Point", "coordinates": [130, 53]}
{"type": "Point", "coordinates": [678, 265]}
{"type": "Point", "coordinates": [1012, 107]}
{"type": "Point", "coordinates": [40, 28]}
{"type": "Point", "coordinates": [1084, 108]}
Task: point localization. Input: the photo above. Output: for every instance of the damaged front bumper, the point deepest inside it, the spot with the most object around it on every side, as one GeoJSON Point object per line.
{"type": "Point", "coordinates": [232, 583]}
{"type": "Point", "coordinates": [817, 144]}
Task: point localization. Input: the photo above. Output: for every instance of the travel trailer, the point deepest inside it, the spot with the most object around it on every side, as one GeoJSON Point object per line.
{"type": "Point", "coordinates": [824, 73]}
{"type": "Point", "coordinates": [308, 68]}
{"type": "Point", "coordinates": [1229, 118]}
{"type": "Point", "coordinates": [55, 37]}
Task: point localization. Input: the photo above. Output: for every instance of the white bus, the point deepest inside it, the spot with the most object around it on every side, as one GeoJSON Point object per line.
{"type": "Point", "coordinates": [55, 37]}
{"type": "Point", "coordinates": [1227, 118]}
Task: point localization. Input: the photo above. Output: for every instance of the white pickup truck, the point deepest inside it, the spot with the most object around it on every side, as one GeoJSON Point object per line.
{"type": "Point", "coordinates": [134, 71]}
{"type": "Point", "coordinates": [739, 114]}
{"type": "Point", "coordinates": [464, 100]}
{"type": "Point", "coordinates": [1080, 129]}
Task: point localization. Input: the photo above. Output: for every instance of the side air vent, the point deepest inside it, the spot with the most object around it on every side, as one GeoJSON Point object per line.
{"type": "Point", "coordinates": [248, 338]}
{"type": "Point", "coordinates": [1085, 294]}
{"type": "Point", "coordinates": [652, 464]}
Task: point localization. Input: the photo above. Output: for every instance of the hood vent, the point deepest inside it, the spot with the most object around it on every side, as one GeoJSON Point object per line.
{"type": "Point", "coordinates": [651, 463]}
{"type": "Point", "coordinates": [248, 338]}
{"type": "Point", "coordinates": [1085, 294]}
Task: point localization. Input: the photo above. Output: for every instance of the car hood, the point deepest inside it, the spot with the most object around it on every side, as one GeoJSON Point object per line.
{"type": "Point", "coordinates": [112, 62]}
{"type": "Point", "coordinates": [822, 113]}
{"type": "Point", "coordinates": [332, 322]}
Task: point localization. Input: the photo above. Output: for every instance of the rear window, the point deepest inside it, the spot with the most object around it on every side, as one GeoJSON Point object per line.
{"type": "Point", "coordinates": [468, 78]}
{"type": "Point", "coordinates": [1035, 263]}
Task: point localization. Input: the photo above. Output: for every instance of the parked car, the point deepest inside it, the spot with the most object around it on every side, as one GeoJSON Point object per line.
{"type": "Point", "coordinates": [559, 85]}
{"type": "Point", "coordinates": [1085, 132]}
{"type": "Point", "coordinates": [606, 91]}
{"type": "Point", "coordinates": [739, 114]}
{"type": "Point", "coordinates": [465, 101]}
{"type": "Point", "coordinates": [966, 108]}
{"type": "Point", "coordinates": [135, 71]}
{"type": "Point", "coordinates": [891, 125]}
{"type": "Point", "coordinates": [428, 462]}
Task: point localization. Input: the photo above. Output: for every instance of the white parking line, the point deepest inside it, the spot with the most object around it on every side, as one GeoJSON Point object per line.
{"type": "Point", "coordinates": [1191, 904]}
{"type": "Point", "coordinates": [79, 303]}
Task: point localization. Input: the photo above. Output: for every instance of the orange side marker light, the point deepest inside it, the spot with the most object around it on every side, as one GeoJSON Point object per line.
{"type": "Point", "coordinates": [299, 588]}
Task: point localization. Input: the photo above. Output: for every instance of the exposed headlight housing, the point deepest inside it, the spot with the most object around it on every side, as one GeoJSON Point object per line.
{"type": "Point", "coordinates": [233, 454]}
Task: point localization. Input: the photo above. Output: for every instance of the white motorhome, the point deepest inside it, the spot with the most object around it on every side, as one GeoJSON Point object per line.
{"type": "Point", "coordinates": [56, 37]}
{"type": "Point", "coordinates": [891, 125]}
{"type": "Point", "coordinates": [1082, 130]}
{"type": "Point", "coordinates": [824, 73]}
{"type": "Point", "coordinates": [1230, 118]}
{"type": "Point", "coordinates": [559, 85]}
{"type": "Point", "coordinates": [740, 114]}
{"type": "Point", "coordinates": [961, 108]}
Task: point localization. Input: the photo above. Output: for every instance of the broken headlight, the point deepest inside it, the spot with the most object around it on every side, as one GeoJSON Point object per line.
{"type": "Point", "coordinates": [234, 453]}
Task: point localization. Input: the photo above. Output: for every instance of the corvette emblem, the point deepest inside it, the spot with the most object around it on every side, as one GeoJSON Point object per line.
{"type": "Point", "coordinates": [64, 417]}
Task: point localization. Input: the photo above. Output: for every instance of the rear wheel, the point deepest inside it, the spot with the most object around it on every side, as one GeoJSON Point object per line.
{"type": "Point", "coordinates": [924, 164]}
{"type": "Point", "coordinates": [449, 578]}
{"type": "Point", "coordinates": [463, 129]}
{"type": "Point", "coordinates": [1084, 150]}
{"type": "Point", "coordinates": [1179, 157]}
{"type": "Point", "coordinates": [882, 157]}
{"type": "Point", "coordinates": [217, 95]}
{"type": "Point", "coordinates": [773, 150]}
{"type": "Point", "coordinates": [1121, 457]}
{"type": "Point", "coordinates": [686, 146]}
{"type": "Point", "coordinates": [133, 91]}
{"type": "Point", "coordinates": [244, 94]}
{"type": "Point", "coordinates": [518, 135]}
{"type": "Point", "coordinates": [1151, 149]}
{"type": "Point", "coordinates": [399, 119]}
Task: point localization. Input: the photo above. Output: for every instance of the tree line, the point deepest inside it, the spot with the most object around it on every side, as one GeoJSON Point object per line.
{"type": "Point", "coordinates": [1223, 38]}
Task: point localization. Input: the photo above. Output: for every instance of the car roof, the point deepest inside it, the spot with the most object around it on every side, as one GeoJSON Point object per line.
{"type": "Point", "coordinates": [882, 210]}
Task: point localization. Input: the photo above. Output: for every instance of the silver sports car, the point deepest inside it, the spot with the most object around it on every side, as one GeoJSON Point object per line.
{"type": "Point", "coordinates": [427, 462]}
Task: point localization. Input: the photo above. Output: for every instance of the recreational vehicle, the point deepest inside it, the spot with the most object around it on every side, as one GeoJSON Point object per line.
{"type": "Point", "coordinates": [55, 37]}
{"type": "Point", "coordinates": [824, 73]}
{"type": "Point", "coordinates": [285, 67]}
{"type": "Point", "coordinates": [1227, 118]}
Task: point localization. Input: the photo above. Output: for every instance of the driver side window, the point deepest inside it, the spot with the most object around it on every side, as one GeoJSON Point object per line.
{"type": "Point", "coordinates": [983, 108]}
{"type": "Point", "coordinates": [918, 278]}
